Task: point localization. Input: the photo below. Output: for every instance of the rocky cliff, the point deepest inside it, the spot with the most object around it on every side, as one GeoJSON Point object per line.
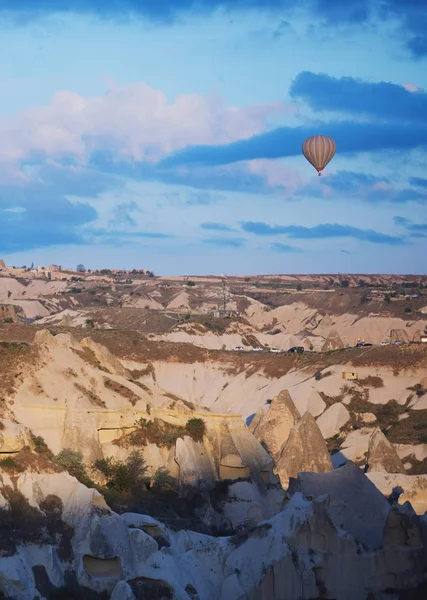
{"type": "Point", "coordinates": [326, 542]}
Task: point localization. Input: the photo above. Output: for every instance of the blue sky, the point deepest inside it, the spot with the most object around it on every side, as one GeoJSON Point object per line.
{"type": "Point", "coordinates": [167, 135]}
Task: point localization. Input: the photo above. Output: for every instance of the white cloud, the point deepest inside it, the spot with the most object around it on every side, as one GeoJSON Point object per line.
{"type": "Point", "coordinates": [132, 120]}
{"type": "Point", "coordinates": [411, 87]}
{"type": "Point", "coordinates": [277, 174]}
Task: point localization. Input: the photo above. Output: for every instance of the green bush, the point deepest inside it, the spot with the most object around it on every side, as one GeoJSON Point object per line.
{"type": "Point", "coordinates": [163, 479]}
{"type": "Point", "coordinates": [10, 463]}
{"type": "Point", "coordinates": [40, 446]}
{"type": "Point", "coordinates": [162, 434]}
{"type": "Point", "coordinates": [196, 429]}
{"type": "Point", "coordinates": [124, 476]}
{"type": "Point", "coordinates": [72, 461]}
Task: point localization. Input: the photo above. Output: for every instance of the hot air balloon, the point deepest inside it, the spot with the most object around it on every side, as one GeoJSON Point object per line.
{"type": "Point", "coordinates": [319, 150]}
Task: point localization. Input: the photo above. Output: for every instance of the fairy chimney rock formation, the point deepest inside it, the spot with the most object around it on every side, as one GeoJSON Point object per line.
{"type": "Point", "coordinates": [305, 450]}
{"type": "Point", "coordinates": [382, 455]}
{"type": "Point", "coordinates": [272, 426]}
{"type": "Point", "coordinates": [333, 342]}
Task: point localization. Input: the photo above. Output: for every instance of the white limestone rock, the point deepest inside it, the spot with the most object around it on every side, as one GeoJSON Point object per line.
{"type": "Point", "coordinates": [13, 437]}
{"type": "Point", "coordinates": [333, 419]}
{"type": "Point", "coordinates": [305, 450]}
{"type": "Point", "coordinates": [122, 591]}
{"type": "Point", "coordinates": [412, 488]}
{"type": "Point", "coordinates": [310, 402]}
{"type": "Point", "coordinates": [382, 455]}
{"type": "Point", "coordinates": [274, 424]}
{"type": "Point", "coordinates": [195, 466]}
{"type": "Point", "coordinates": [355, 504]}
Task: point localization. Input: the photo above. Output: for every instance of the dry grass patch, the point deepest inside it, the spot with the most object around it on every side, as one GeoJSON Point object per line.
{"type": "Point", "coordinates": [176, 398]}
{"type": "Point", "coordinates": [412, 430]}
{"type": "Point", "coordinates": [143, 387]}
{"type": "Point", "coordinates": [147, 371]}
{"type": "Point", "coordinates": [11, 465]}
{"type": "Point", "coordinates": [409, 430]}
{"type": "Point", "coordinates": [418, 467]}
{"type": "Point", "coordinates": [122, 390]}
{"type": "Point", "coordinates": [90, 395]}
{"type": "Point", "coordinates": [27, 460]}
{"type": "Point", "coordinates": [330, 400]}
{"type": "Point", "coordinates": [88, 356]}
{"type": "Point", "coordinates": [319, 375]}
{"type": "Point", "coordinates": [163, 434]}
{"type": "Point", "coordinates": [418, 390]}
{"type": "Point", "coordinates": [372, 381]}
{"type": "Point", "coordinates": [15, 359]}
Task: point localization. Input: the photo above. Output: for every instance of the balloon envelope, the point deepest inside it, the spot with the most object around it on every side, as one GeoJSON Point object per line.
{"type": "Point", "coordinates": [319, 151]}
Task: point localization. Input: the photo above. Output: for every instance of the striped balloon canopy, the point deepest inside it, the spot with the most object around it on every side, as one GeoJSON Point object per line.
{"type": "Point", "coordinates": [319, 151]}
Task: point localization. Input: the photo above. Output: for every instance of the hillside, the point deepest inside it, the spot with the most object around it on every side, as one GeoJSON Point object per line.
{"type": "Point", "coordinates": [136, 443]}
{"type": "Point", "coordinates": [258, 312]}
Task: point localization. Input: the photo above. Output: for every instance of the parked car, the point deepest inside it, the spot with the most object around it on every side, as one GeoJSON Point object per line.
{"type": "Point", "coordinates": [238, 349]}
{"type": "Point", "coordinates": [385, 343]}
{"type": "Point", "coordinates": [397, 343]}
{"type": "Point", "coordinates": [257, 349]}
{"type": "Point", "coordinates": [275, 350]}
{"type": "Point", "coordinates": [296, 350]}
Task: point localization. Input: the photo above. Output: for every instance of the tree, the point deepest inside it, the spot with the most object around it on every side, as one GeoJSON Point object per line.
{"type": "Point", "coordinates": [196, 428]}
{"type": "Point", "coordinates": [72, 461]}
{"type": "Point", "coordinates": [124, 476]}
{"type": "Point", "coordinates": [299, 287]}
{"type": "Point", "coordinates": [345, 283]}
{"type": "Point", "coordinates": [81, 269]}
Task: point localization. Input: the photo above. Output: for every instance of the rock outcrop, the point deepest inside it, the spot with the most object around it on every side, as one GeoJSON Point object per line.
{"type": "Point", "coordinates": [333, 342]}
{"type": "Point", "coordinates": [195, 465]}
{"type": "Point", "coordinates": [311, 401]}
{"type": "Point", "coordinates": [13, 437]}
{"type": "Point", "coordinates": [105, 358]}
{"type": "Point", "coordinates": [44, 337]}
{"type": "Point", "coordinates": [382, 455]}
{"type": "Point", "coordinates": [305, 450]}
{"type": "Point", "coordinates": [403, 527]}
{"type": "Point", "coordinates": [407, 488]}
{"type": "Point", "coordinates": [337, 537]}
{"type": "Point", "coordinates": [355, 504]}
{"type": "Point", "coordinates": [122, 591]}
{"type": "Point", "coordinates": [333, 419]}
{"type": "Point", "coordinates": [273, 425]}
